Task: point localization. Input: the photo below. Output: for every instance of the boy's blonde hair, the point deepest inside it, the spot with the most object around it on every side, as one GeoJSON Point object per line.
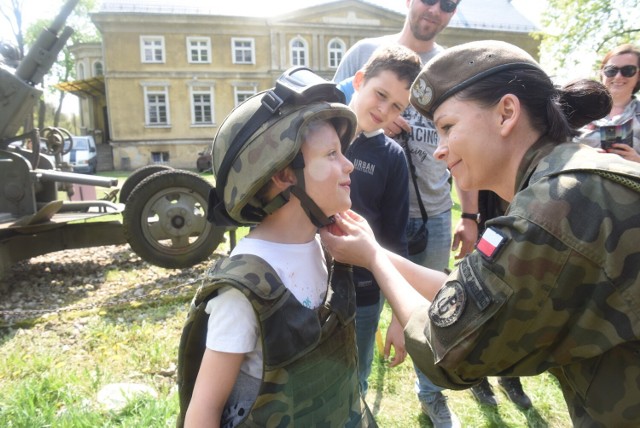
{"type": "Point", "coordinates": [398, 59]}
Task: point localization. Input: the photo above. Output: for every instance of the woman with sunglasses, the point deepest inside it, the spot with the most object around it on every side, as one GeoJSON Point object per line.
{"type": "Point", "coordinates": [619, 73]}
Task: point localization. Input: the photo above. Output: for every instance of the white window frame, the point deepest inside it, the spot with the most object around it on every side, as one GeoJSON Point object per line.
{"type": "Point", "coordinates": [296, 52]}
{"type": "Point", "coordinates": [335, 54]}
{"type": "Point", "coordinates": [153, 45]}
{"type": "Point", "coordinates": [244, 90]}
{"type": "Point", "coordinates": [201, 47]}
{"type": "Point", "coordinates": [235, 49]}
{"type": "Point", "coordinates": [198, 89]}
{"type": "Point", "coordinates": [156, 89]}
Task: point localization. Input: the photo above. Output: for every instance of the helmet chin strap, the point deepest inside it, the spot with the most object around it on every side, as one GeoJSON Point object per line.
{"type": "Point", "coordinates": [313, 211]}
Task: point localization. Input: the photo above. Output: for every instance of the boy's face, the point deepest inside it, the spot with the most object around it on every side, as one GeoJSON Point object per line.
{"type": "Point", "coordinates": [379, 100]}
{"type": "Point", "coordinates": [326, 170]}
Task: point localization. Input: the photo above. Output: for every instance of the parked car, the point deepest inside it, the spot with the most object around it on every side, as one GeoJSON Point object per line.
{"type": "Point", "coordinates": [203, 163]}
{"type": "Point", "coordinates": [83, 156]}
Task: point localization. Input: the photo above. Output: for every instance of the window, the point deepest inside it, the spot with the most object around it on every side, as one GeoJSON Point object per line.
{"type": "Point", "coordinates": [156, 105]}
{"type": "Point", "coordinates": [243, 51]}
{"type": "Point", "coordinates": [244, 92]}
{"type": "Point", "coordinates": [160, 157]}
{"type": "Point", "coordinates": [298, 48]}
{"type": "Point", "coordinates": [152, 49]}
{"type": "Point", "coordinates": [336, 50]}
{"type": "Point", "coordinates": [97, 69]}
{"type": "Point", "coordinates": [199, 50]}
{"type": "Point", "coordinates": [202, 105]}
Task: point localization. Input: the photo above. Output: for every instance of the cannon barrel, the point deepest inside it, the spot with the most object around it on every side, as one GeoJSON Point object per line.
{"type": "Point", "coordinates": [44, 51]}
{"type": "Point", "coordinates": [70, 177]}
{"type": "Point", "coordinates": [18, 93]}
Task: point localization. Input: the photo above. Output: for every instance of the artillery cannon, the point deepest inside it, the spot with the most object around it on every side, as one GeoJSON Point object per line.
{"type": "Point", "coordinates": [162, 216]}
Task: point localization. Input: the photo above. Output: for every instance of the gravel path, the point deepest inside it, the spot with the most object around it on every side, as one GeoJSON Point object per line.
{"type": "Point", "coordinates": [84, 278]}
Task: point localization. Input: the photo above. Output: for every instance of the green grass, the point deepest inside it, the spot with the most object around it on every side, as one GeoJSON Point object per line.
{"type": "Point", "coordinates": [51, 376]}
{"type": "Point", "coordinates": [52, 370]}
{"type": "Point", "coordinates": [394, 402]}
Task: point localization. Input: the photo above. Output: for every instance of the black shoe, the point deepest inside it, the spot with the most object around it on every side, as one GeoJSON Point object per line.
{"type": "Point", "coordinates": [513, 388]}
{"type": "Point", "coordinates": [484, 394]}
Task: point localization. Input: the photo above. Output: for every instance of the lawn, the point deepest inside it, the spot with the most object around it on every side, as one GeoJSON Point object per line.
{"type": "Point", "coordinates": [53, 367]}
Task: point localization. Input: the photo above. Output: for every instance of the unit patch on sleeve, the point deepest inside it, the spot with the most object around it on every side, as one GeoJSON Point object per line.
{"type": "Point", "coordinates": [448, 304]}
{"type": "Point", "coordinates": [491, 243]}
{"type": "Point", "coordinates": [474, 286]}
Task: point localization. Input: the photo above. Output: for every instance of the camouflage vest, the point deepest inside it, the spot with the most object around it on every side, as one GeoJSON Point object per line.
{"type": "Point", "coordinates": [310, 363]}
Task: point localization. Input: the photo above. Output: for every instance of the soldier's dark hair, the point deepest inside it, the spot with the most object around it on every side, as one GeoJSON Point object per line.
{"type": "Point", "coordinates": [558, 112]}
{"type": "Point", "coordinates": [402, 61]}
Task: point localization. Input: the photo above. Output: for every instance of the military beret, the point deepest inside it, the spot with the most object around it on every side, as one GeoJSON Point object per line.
{"type": "Point", "coordinates": [461, 66]}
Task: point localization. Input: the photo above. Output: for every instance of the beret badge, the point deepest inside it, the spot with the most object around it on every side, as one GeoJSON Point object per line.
{"type": "Point", "coordinates": [422, 92]}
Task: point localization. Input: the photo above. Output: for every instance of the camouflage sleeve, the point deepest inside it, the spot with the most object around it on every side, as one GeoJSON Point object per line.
{"type": "Point", "coordinates": [552, 283]}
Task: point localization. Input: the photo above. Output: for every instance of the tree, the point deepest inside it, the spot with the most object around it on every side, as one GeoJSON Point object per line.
{"type": "Point", "coordinates": [64, 68]}
{"type": "Point", "coordinates": [582, 31]}
{"type": "Point", "coordinates": [11, 11]}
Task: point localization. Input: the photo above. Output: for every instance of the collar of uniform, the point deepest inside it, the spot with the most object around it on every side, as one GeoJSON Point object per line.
{"type": "Point", "coordinates": [529, 162]}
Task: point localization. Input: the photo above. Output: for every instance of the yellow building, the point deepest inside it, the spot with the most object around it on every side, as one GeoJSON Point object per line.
{"type": "Point", "coordinates": [171, 74]}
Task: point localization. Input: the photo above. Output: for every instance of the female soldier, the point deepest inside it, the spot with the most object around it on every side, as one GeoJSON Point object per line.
{"type": "Point", "coordinates": [551, 285]}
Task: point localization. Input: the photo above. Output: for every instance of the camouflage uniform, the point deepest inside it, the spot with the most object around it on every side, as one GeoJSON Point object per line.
{"type": "Point", "coordinates": [310, 363]}
{"type": "Point", "coordinates": [560, 292]}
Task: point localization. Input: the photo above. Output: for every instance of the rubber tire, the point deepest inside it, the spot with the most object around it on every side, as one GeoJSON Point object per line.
{"type": "Point", "coordinates": [169, 197]}
{"type": "Point", "coordinates": [136, 178]}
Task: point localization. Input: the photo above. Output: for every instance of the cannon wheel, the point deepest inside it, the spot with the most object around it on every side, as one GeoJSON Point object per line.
{"type": "Point", "coordinates": [165, 220]}
{"type": "Point", "coordinates": [136, 177]}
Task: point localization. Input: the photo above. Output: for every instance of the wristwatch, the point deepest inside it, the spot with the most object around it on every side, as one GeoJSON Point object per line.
{"type": "Point", "coordinates": [471, 216]}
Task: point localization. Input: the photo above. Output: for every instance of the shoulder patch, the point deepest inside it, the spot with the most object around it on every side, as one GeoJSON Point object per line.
{"type": "Point", "coordinates": [448, 305]}
{"type": "Point", "coordinates": [490, 243]}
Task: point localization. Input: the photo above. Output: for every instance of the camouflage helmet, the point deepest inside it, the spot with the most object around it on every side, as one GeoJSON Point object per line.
{"type": "Point", "coordinates": [272, 143]}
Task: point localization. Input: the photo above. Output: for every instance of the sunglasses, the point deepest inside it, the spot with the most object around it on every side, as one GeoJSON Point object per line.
{"type": "Point", "coordinates": [446, 6]}
{"type": "Point", "coordinates": [626, 71]}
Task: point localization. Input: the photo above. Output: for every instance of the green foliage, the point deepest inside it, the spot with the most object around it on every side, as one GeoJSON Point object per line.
{"type": "Point", "coordinates": [64, 68]}
{"type": "Point", "coordinates": [587, 29]}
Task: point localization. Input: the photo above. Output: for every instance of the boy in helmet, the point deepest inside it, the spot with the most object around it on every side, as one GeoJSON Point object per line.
{"type": "Point", "coordinates": [280, 341]}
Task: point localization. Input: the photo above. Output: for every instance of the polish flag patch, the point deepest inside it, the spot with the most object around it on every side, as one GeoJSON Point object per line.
{"type": "Point", "coordinates": [490, 243]}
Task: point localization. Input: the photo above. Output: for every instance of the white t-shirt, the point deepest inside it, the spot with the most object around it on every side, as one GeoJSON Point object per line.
{"type": "Point", "coordinates": [233, 325]}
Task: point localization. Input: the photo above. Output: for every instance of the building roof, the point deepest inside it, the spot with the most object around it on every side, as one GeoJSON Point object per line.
{"type": "Point", "coordinates": [491, 15]}
{"type": "Point", "coordinates": [88, 88]}
{"type": "Point", "coordinates": [473, 14]}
